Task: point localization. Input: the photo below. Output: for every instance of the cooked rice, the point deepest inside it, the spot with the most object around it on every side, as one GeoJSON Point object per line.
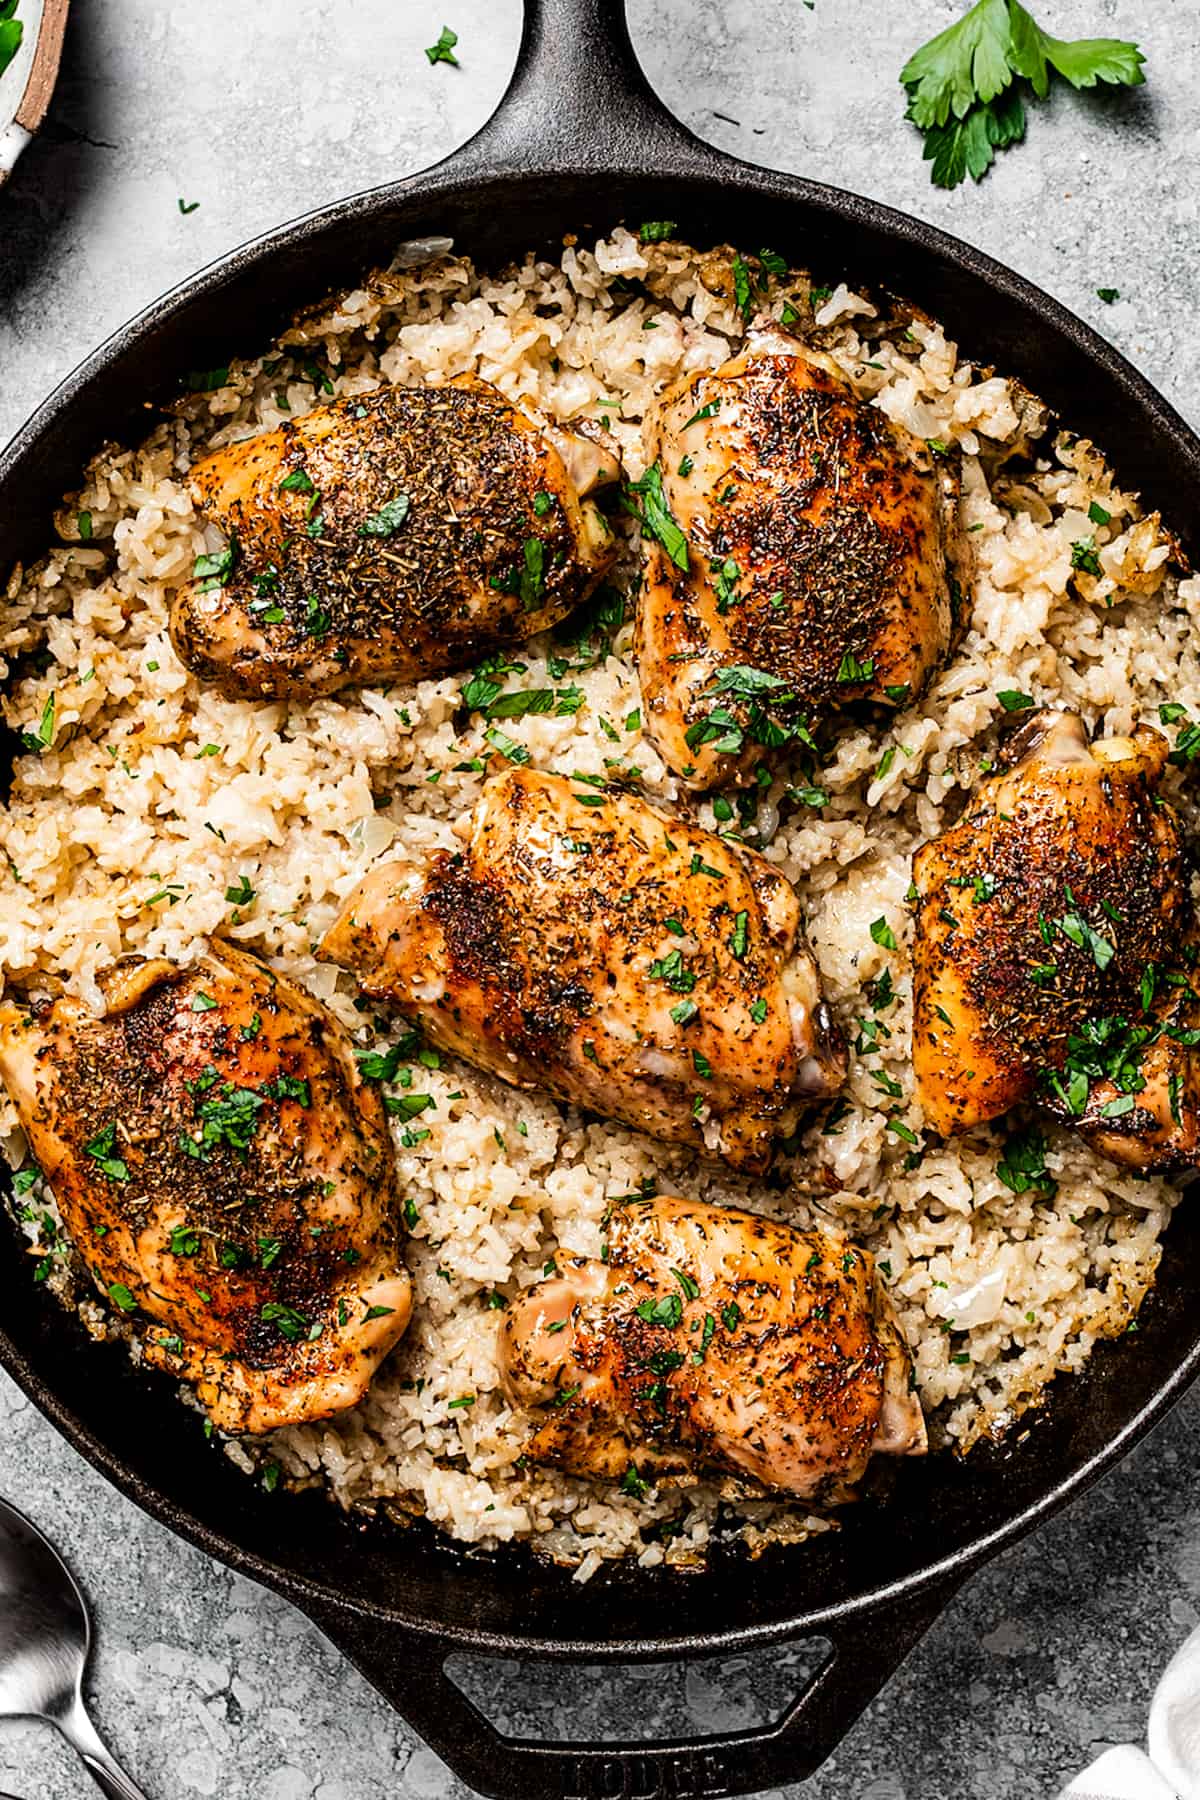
{"type": "Point", "coordinates": [157, 795]}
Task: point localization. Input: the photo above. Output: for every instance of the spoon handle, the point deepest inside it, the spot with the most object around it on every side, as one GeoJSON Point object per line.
{"type": "Point", "coordinates": [108, 1775]}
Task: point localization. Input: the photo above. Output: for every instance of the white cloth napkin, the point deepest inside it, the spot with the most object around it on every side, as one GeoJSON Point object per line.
{"type": "Point", "coordinates": [1172, 1769]}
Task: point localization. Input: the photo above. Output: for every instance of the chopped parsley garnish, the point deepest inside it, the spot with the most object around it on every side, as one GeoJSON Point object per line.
{"type": "Point", "coordinates": [443, 50]}
{"type": "Point", "coordinates": [184, 1241]}
{"type": "Point", "coordinates": [229, 1118]}
{"type": "Point", "coordinates": [743, 290]}
{"type": "Point", "coordinates": [390, 517]}
{"type": "Point", "coordinates": [1108, 295]}
{"type": "Point", "coordinates": [1077, 930]}
{"type": "Point", "coordinates": [667, 1311]}
{"type": "Point", "coordinates": [290, 1323]}
{"type": "Point", "coordinates": [214, 568]}
{"type": "Point", "coordinates": [706, 412]}
{"type": "Point", "coordinates": [764, 697]}
{"type": "Point", "coordinates": [120, 1296]}
{"type": "Point", "coordinates": [516, 753]}
{"type": "Point", "coordinates": [671, 969]}
{"type": "Point", "coordinates": [270, 1249]}
{"type": "Point", "coordinates": [317, 621]}
{"type": "Point", "coordinates": [851, 670]}
{"type": "Point", "coordinates": [731, 1314]}
{"type": "Point", "coordinates": [1083, 556]}
{"type": "Point", "coordinates": [407, 1106]}
{"type": "Point", "coordinates": [655, 515]}
{"type": "Point", "coordinates": [967, 86]}
{"type": "Point", "coordinates": [533, 579]}
{"type": "Point", "coordinates": [42, 736]}
{"type": "Point", "coordinates": [298, 482]}
{"type": "Point", "coordinates": [1013, 700]}
{"type": "Point", "coordinates": [1097, 514]}
{"type": "Point", "coordinates": [207, 381]}
{"type": "Point", "coordinates": [653, 231]}
{"type": "Point", "coordinates": [102, 1150]}
{"type": "Point", "coordinates": [882, 933]}
{"type": "Point", "coordinates": [1023, 1165]}
{"type": "Point", "coordinates": [241, 893]}
{"type": "Point", "coordinates": [289, 1087]}
{"type": "Point", "coordinates": [739, 937]}
{"type": "Point", "coordinates": [631, 1482]}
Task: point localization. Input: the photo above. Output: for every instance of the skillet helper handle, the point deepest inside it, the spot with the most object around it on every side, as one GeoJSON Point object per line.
{"type": "Point", "coordinates": [408, 1670]}
{"type": "Point", "coordinates": [578, 99]}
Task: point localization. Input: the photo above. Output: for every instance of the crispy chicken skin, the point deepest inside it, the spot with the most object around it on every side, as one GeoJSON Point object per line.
{"type": "Point", "coordinates": [629, 963]}
{"type": "Point", "coordinates": [389, 536]}
{"type": "Point", "coordinates": [1054, 949]}
{"type": "Point", "coordinates": [223, 1169]}
{"type": "Point", "coordinates": [824, 549]}
{"type": "Point", "coordinates": [714, 1340]}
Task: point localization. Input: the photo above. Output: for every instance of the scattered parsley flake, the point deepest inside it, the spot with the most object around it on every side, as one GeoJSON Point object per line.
{"type": "Point", "coordinates": [443, 50]}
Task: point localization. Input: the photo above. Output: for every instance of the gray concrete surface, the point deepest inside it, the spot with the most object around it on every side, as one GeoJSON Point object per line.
{"type": "Point", "coordinates": [260, 109]}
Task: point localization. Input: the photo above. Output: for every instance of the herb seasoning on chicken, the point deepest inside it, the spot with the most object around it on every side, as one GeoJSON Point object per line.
{"type": "Point", "coordinates": [713, 1339]}
{"type": "Point", "coordinates": [388, 536]}
{"type": "Point", "coordinates": [226, 1174]}
{"type": "Point", "coordinates": [626, 961]}
{"type": "Point", "coordinates": [1056, 946]}
{"type": "Point", "coordinates": [799, 537]}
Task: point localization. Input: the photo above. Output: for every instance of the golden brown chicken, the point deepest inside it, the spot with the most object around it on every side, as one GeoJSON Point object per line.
{"type": "Point", "coordinates": [629, 963]}
{"type": "Point", "coordinates": [226, 1176]}
{"type": "Point", "coordinates": [714, 1340]}
{"type": "Point", "coordinates": [801, 541]}
{"type": "Point", "coordinates": [389, 536]}
{"type": "Point", "coordinates": [1055, 947]}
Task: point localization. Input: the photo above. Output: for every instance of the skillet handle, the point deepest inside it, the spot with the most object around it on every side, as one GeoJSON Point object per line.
{"type": "Point", "coordinates": [408, 1671]}
{"type": "Point", "coordinates": [578, 100]}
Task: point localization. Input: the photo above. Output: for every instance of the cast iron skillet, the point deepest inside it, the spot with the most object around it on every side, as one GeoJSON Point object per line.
{"type": "Point", "coordinates": [579, 144]}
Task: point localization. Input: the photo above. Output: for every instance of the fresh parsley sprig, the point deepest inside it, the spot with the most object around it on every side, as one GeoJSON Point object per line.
{"type": "Point", "coordinates": [967, 87]}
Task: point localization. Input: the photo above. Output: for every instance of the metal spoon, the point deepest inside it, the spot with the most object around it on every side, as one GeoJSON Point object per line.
{"type": "Point", "coordinates": [45, 1637]}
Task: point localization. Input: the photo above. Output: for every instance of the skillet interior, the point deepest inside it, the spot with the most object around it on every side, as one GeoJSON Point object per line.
{"type": "Point", "coordinates": [938, 1510]}
{"type": "Point", "coordinates": [941, 1516]}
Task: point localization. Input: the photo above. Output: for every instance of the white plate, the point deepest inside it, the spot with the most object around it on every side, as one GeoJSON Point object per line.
{"type": "Point", "coordinates": [28, 82]}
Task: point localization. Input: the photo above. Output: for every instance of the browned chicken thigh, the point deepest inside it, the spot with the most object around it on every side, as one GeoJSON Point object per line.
{"type": "Point", "coordinates": [629, 963]}
{"type": "Point", "coordinates": [818, 547]}
{"type": "Point", "coordinates": [226, 1176]}
{"type": "Point", "coordinates": [1055, 948]}
{"type": "Point", "coordinates": [388, 536]}
{"type": "Point", "coordinates": [712, 1340]}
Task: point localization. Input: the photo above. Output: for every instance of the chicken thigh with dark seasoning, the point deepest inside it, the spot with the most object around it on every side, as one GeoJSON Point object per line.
{"type": "Point", "coordinates": [389, 536]}
{"type": "Point", "coordinates": [1056, 950]}
{"type": "Point", "coordinates": [811, 554]}
{"type": "Point", "coordinates": [227, 1177]}
{"type": "Point", "coordinates": [628, 962]}
{"type": "Point", "coordinates": [714, 1341]}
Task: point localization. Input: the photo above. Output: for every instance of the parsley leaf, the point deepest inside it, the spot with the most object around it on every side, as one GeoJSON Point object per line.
{"type": "Point", "coordinates": [967, 86]}
{"type": "Point", "coordinates": [443, 50]}
{"type": "Point", "coordinates": [102, 1150]}
{"type": "Point", "coordinates": [387, 521]}
{"type": "Point", "coordinates": [1023, 1165]}
{"type": "Point", "coordinates": [655, 515]}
